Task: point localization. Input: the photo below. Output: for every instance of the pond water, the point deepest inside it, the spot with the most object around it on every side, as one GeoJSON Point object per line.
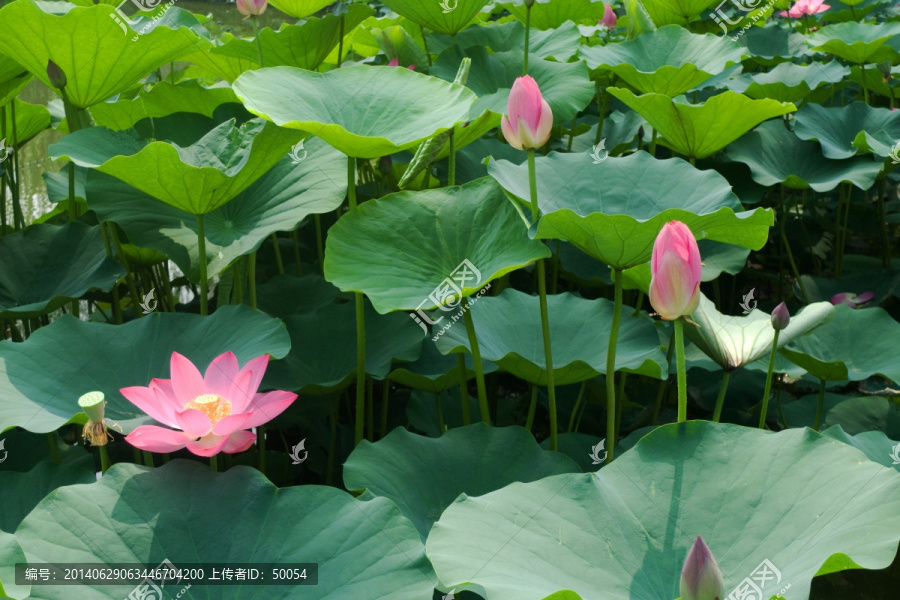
{"type": "Point", "coordinates": [33, 156]}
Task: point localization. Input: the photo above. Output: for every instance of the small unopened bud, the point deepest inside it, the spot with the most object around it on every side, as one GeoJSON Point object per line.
{"type": "Point", "coordinates": [701, 578]}
{"type": "Point", "coordinates": [93, 406]}
{"type": "Point", "coordinates": [384, 165]}
{"type": "Point", "coordinates": [529, 3]}
{"type": "Point", "coordinates": [780, 317]}
{"type": "Point", "coordinates": [55, 75]}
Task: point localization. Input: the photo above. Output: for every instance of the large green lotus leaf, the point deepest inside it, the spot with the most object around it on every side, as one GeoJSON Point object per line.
{"type": "Point", "coordinates": [305, 46]}
{"type": "Point", "coordinates": [873, 79]}
{"type": "Point", "coordinates": [700, 130]}
{"type": "Point", "coordinates": [448, 466]}
{"type": "Point", "coordinates": [855, 414]}
{"type": "Point", "coordinates": [443, 16]}
{"type": "Point", "coordinates": [775, 155]}
{"type": "Point", "coordinates": [42, 377]}
{"type": "Point", "coordinates": [788, 82]}
{"type": "Point", "coordinates": [560, 43]}
{"type": "Point", "coordinates": [613, 211]}
{"type": "Point", "coordinates": [323, 352]}
{"type": "Point", "coordinates": [508, 327]}
{"type": "Point", "coordinates": [356, 109]}
{"type": "Point", "coordinates": [876, 446]}
{"type": "Point", "coordinates": [669, 61]}
{"type": "Point", "coordinates": [45, 266]}
{"type": "Point", "coordinates": [224, 67]}
{"type": "Point", "coordinates": [10, 88]}
{"type": "Point", "coordinates": [278, 201]}
{"type": "Point", "coordinates": [161, 100]}
{"type": "Point", "coordinates": [858, 42]}
{"type": "Point", "coordinates": [31, 119]}
{"type": "Point", "coordinates": [736, 341]}
{"type": "Point", "coordinates": [180, 511]}
{"type": "Point", "coordinates": [96, 66]}
{"type": "Point", "coordinates": [845, 130]}
{"type": "Point", "coordinates": [300, 9]}
{"type": "Point", "coordinates": [841, 350]}
{"type": "Point", "coordinates": [197, 179]}
{"type": "Point", "coordinates": [550, 14]}
{"type": "Point", "coordinates": [21, 492]}
{"type": "Point", "coordinates": [566, 87]}
{"type": "Point", "coordinates": [10, 554]}
{"type": "Point", "coordinates": [680, 12]}
{"type": "Point", "coordinates": [25, 450]}
{"type": "Point", "coordinates": [771, 44]}
{"type": "Point", "coordinates": [627, 529]}
{"type": "Point", "coordinates": [434, 372]}
{"type": "Point", "coordinates": [399, 249]}
{"type": "Point", "coordinates": [286, 295]}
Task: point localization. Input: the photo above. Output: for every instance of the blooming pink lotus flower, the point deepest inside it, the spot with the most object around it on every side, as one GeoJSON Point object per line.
{"type": "Point", "coordinates": [208, 414]}
{"type": "Point", "coordinates": [528, 124]}
{"type": "Point", "coordinates": [609, 17]}
{"type": "Point", "coordinates": [805, 7]}
{"type": "Point", "coordinates": [396, 63]}
{"type": "Point", "coordinates": [675, 271]}
{"type": "Point", "coordinates": [701, 578]}
{"type": "Point", "coordinates": [251, 7]}
{"type": "Point", "coordinates": [851, 299]}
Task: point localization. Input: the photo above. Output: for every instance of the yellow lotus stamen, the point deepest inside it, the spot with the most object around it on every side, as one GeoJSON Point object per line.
{"type": "Point", "coordinates": [212, 405]}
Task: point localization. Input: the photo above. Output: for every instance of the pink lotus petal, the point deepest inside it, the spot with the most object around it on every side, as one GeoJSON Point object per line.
{"type": "Point", "coordinates": [146, 399]}
{"type": "Point", "coordinates": [239, 441]}
{"type": "Point", "coordinates": [268, 406]}
{"type": "Point", "coordinates": [231, 423]}
{"type": "Point", "coordinates": [258, 367]}
{"type": "Point", "coordinates": [240, 395]}
{"type": "Point", "coordinates": [864, 297]}
{"type": "Point", "coordinates": [510, 134]}
{"type": "Point", "coordinates": [187, 382]}
{"type": "Point", "coordinates": [157, 439]}
{"type": "Point", "coordinates": [209, 445]}
{"type": "Point", "coordinates": [673, 291]}
{"type": "Point", "coordinates": [395, 62]}
{"type": "Point", "coordinates": [193, 422]}
{"type": "Point", "coordinates": [221, 374]}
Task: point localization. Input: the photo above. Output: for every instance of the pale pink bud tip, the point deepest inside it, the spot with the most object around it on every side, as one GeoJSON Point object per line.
{"type": "Point", "coordinates": [701, 578]}
{"type": "Point", "coordinates": [675, 270]}
{"type": "Point", "coordinates": [251, 7]}
{"type": "Point", "coordinates": [609, 17]}
{"type": "Point", "coordinates": [781, 317]}
{"type": "Point", "coordinates": [528, 121]}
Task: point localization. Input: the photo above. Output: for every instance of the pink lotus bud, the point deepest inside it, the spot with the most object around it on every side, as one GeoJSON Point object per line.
{"type": "Point", "coordinates": [396, 63]}
{"type": "Point", "coordinates": [530, 119]}
{"type": "Point", "coordinates": [781, 317]}
{"type": "Point", "coordinates": [251, 7]}
{"type": "Point", "coordinates": [609, 18]}
{"type": "Point", "coordinates": [701, 578]}
{"type": "Point", "coordinates": [675, 271]}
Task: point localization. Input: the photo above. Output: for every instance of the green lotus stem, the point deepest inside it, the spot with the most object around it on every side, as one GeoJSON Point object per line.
{"type": "Point", "coordinates": [148, 458]}
{"type": "Point", "coordinates": [204, 284]}
{"type": "Point", "coordinates": [259, 51]}
{"type": "Point", "coordinates": [332, 441]}
{"type": "Point", "coordinates": [340, 44]}
{"type": "Point", "coordinates": [611, 366]}
{"type": "Point", "coordinates": [820, 405]}
{"type": "Point", "coordinates": [846, 225]}
{"type": "Point", "coordinates": [882, 219]}
{"type": "Point", "coordinates": [251, 278]}
{"type": "Point", "coordinates": [104, 459]}
{"type": "Point", "coordinates": [440, 413]}
{"type": "Point", "coordinates": [117, 308]}
{"type": "Point", "coordinates": [319, 248]}
{"type": "Point", "coordinates": [768, 388]}
{"type": "Point", "coordinates": [532, 407]}
{"type": "Point", "coordinates": [261, 446]}
{"type": "Point", "coordinates": [572, 133]}
{"type": "Point", "coordinates": [720, 399]}
{"type": "Point", "coordinates": [602, 104]}
{"type": "Point", "coordinates": [464, 389]}
{"type": "Point", "coordinates": [653, 143]}
{"type": "Point", "coordinates": [370, 409]}
{"type": "Point", "coordinates": [214, 463]}
{"type": "Point", "coordinates": [545, 317]}
{"type": "Point", "coordinates": [129, 277]}
{"type": "Point", "coordinates": [451, 179]}
{"type": "Point", "coordinates": [693, 161]}
{"type": "Point", "coordinates": [278, 260]}
{"type": "Point", "coordinates": [137, 456]}
{"type": "Point", "coordinates": [238, 291]}
{"type": "Point", "coordinates": [575, 408]}
{"type": "Point", "coordinates": [295, 240]}
{"type": "Point", "coordinates": [663, 384]}
{"type": "Point", "coordinates": [479, 369]}
{"type": "Point", "coordinates": [385, 399]}
{"type": "Point", "coordinates": [787, 248]}
{"type": "Point", "coordinates": [425, 44]}
{"type": "Point", "coordinates": [360, 320]}
{"type": "Point", "coordinates": [72, 212]}
{"type": "Point", "coordinates": [54, 450]}
{"type": "Point", "coordinates": [527, 37]}
{"type": "Point", "coordinates": [620, 395]}
{"type": "Point", "coordinates": [838, 231]}
{"type": "Point", "coordinates": [865, 88]}
{"type": "Point", "coordinates": [682, 376]}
